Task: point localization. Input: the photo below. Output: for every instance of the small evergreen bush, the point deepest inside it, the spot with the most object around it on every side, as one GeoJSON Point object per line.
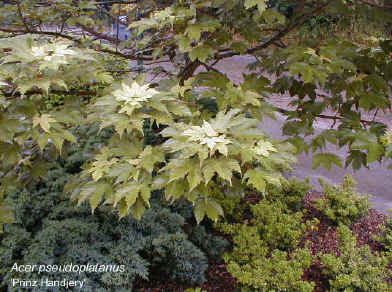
{"type": "Point", "coordinates": [291, 192]}
{"type": "Point", "coordinates": [50, 230]}
{"type": "Point", "coordinates": [279, 249]}
{"type": "Point", "coordinates": [266, 254]}
{"type": "Point", "coordinates": [342, 204]}
{"type": "Point", "coordinates": [355, 268]}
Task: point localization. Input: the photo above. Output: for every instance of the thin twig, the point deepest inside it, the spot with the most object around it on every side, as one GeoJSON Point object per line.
{"type": "Point", "coordinates": [375, 4]}
{"type": "Point", "coordinates": [280, 34]}
{"type": "Point", "coordinates": [22, 17]}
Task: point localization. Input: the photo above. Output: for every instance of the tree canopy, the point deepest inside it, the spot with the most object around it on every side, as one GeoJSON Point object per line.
{"type": "Point", "coordinates": [67, 49]}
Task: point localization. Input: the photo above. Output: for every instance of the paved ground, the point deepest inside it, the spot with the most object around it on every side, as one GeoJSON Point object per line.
{"type": "Point", "coordinates": [376, 181]}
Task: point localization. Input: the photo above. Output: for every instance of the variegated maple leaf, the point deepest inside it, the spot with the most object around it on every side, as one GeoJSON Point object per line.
{"type": "Point", "coordinates": [135, 94]}
{"type": "Point", "coordinates": [207, 135]}
{"type": "Point", "coordinates": [264, 148]}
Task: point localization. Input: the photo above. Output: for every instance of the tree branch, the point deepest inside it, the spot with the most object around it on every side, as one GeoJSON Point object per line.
{"type": "Point", "coordinates": [370, 3]}
{"type": "Point", "coordinates": [50, 33]}
{"type": "Point", "coordinates": [188, 70]}
{"type": "Point", "coordinates": [65, 36]}
{"type": "Point", "coordinates": [280, 34]}
{"type": "Point", "coordinates": [334, 118]}
{"type": "Point", "coordinates": [22, 17]}
{"type": "Point", "coordinates": [97, 34]}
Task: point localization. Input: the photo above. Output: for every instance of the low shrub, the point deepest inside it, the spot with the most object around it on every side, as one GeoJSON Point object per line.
{"type": "Point", "coordinates": [385, 238]}
{"type": "Point", "coordinates": [291, 192]}
{"type": "Point", "coordinates": [290, 243]}
{"type": "Point", "coordinates": [279, 228]}
{"type": "Point", "coordinates": [355, 268]}
{"type": "Point", "coordinates": [49, 230]}
{"type": "Point", "coordinates": [266, 254]}
{"type": "Point", "coordinates": [257, 268]}
{"type": "Point", "coordinates": [342, 204]}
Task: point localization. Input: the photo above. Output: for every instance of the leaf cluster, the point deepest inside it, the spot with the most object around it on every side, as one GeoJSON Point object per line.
{"type": "Point", "coordinates": [273, 249]}
{"type": "Point", "coordinates": [48, 229]}
{"type": "Point", "coordinates": [342, 204]}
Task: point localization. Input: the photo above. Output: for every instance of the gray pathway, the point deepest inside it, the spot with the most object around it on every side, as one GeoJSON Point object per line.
{"type": "Point", "coordinates": [376, 181]}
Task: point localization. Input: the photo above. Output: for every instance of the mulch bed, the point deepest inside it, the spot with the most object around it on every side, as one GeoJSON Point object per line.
{"type": "Point", "coordinates": [218, 280]}
{"type": "Point", "coordinates": [324, 239]}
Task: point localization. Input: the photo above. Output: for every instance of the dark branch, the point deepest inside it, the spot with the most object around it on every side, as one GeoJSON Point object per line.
{"type": "Point", "coordinates": [373, 4]}
{"type": "Point", "coordinates": [50, 33]}
{"type": "Point", "coordinates": [22, 17]}
{"type": "Point", "coordinates": [328, 117]}
{"type": "Point", "coordinates": [280, 34]}
{"type": "Point", "coordinates": [97, 34]}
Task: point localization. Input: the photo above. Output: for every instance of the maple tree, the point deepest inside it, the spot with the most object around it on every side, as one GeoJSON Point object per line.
{"type": "Point", "coordinates": [58, 46]}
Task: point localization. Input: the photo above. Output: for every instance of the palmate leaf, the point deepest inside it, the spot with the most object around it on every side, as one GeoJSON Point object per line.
{"type": "Point", "coordinates": [134, 94]}
{"type": "Point", "coordinates": [44, 121]}
{"type": "Point", "coordinates": [261, 4]}
{"type": "Point", "coordinates": [256, 179]}
{"type": "Point", "coordinates": [264, 148]}
{"type": "Point", "coordinates": [224, 167]}
{"type": "Point", "coordinates": [150, 156]}
{"type": "Point", "coordinates": [138, 209]}
{"type": "Point", "coordinates": [201, 52]}
{"type": "Point", "coordinates": [326, 160]}
{"type": "Point", "coordinates": [178, 169]}
{"type": "Point", "coordinates": [195, 176]}
{"type": "Point", "coordinates": [207, 207]}
{"type": "Point", "coordinates": [94, 193]}
{"type": "Point", "coordinates": [176, 189]}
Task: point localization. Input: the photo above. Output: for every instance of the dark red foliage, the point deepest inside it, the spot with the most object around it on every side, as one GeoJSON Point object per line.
{"type": "Point", "coordinates": [251, 198]}
{"type": "Point", "coordinates": [369, 227]}
{"type": "Point", "coordinates": [322, 239]}
{"type": "Point", "coordinates": [310, 209]}
{"type": "Point", "coordinates": [314, 274]}
{"type": "Point", "coordinates": [218, 280]}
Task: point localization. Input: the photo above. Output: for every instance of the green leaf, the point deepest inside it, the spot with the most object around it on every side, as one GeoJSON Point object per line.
{"type": "Point", "coordinates": [180, 170]}
{"type": "Point", "coordinates": [93, 192]}
{"type": "Point", "coordinates": [42, 141]}
{"type": "Point", "coordinates": [256, 179]}
{"type": "Point", "coordinates": [150, 156]}
{"type": "Point", "coordinates": [199, 210]}
{"type": "Point", "coordinates": [44, 121]}
{"type": "Point", "coordinates": [138, 209]}
{"type": "Point", "coordinates": [261, 4]}
{"type": "Point", "coordinates": [40, 169]}
{"type": "Point", "coordinates": [176, 190]}
{"type": "Point", "coordinates": [375, 152]}
{"type": "Point", "coordinates": [195, 176]}
{"type": "Point", "coordinates": [68, 136]}
{"type": "Point", "coordinates": [201, 52]}
{"type": "Point", "coordinates": [224, 167]}
{"type": "Point", "coordinates": [57, 141]}
{"type": "Point", "coordinates": [95, 200]}
{"type": "Point", "coordinates": [145, 194]}
{"type": "Point", "coordinates": [194, 31]}
{"type": "Point", "coordinates": [213, 210]}
{"type": "Point", "coordinates": [207, 207]}
{"type": "Point", "coordinates": [326, 160]}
